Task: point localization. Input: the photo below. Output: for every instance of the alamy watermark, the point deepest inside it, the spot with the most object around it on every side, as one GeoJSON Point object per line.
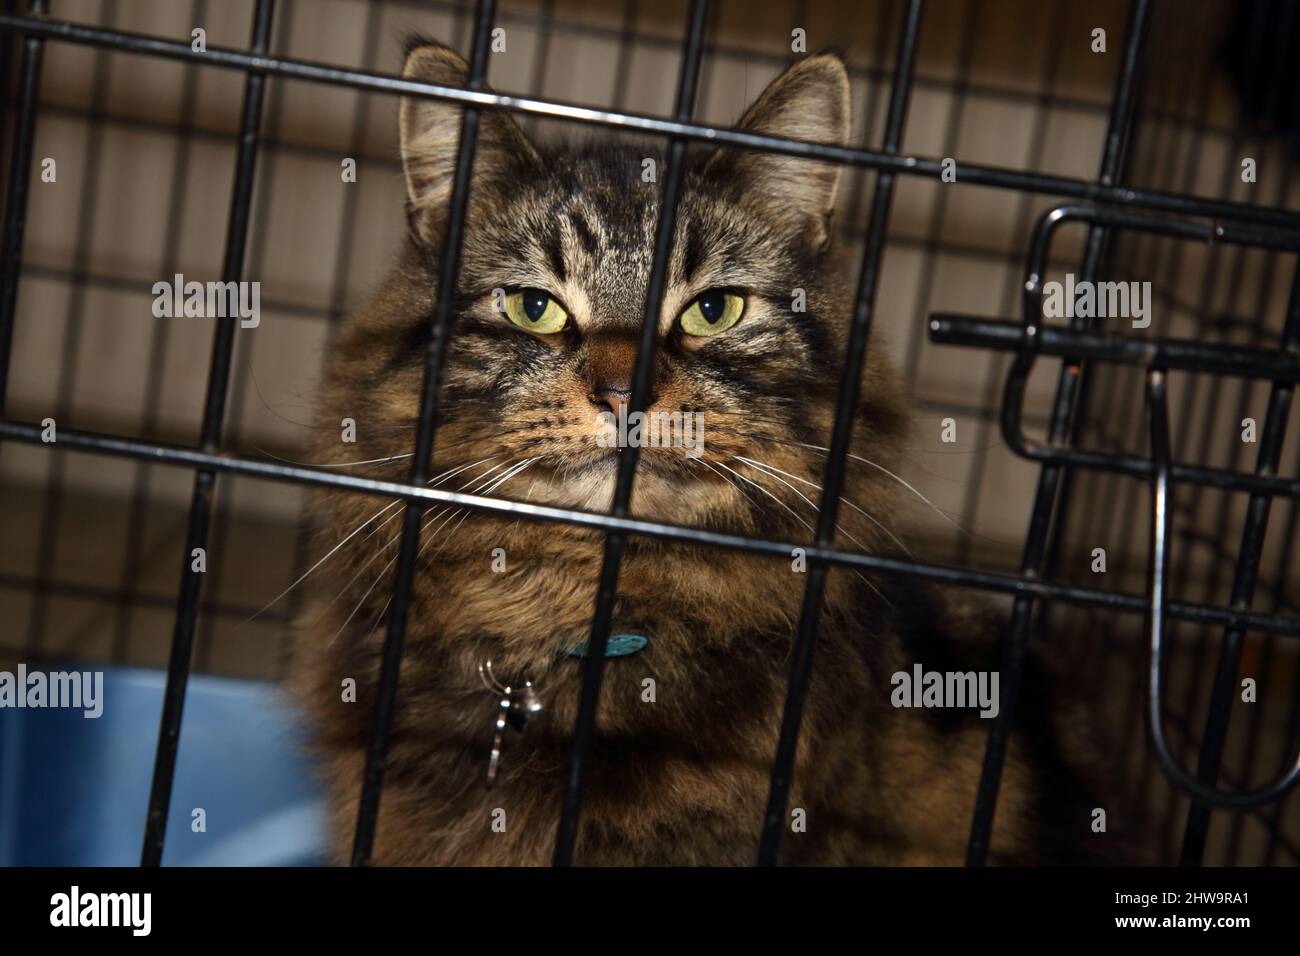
{"type": "Point", "coordinates": [1098, 300]}
{"type": "Point", "coordinates": [74, 908]}
{"type": "Point", "coordinates": [651, 430]}
{"type": "Point", "coordinates": [208, 300]}
{"type": "Point", "coordinates": [74, 690]}
{"type": "Point", "coordinates": [947, 689]}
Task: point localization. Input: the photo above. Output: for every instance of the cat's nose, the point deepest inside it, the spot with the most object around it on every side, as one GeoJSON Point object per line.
{"type": "Point", "coordinates": [611, 398]}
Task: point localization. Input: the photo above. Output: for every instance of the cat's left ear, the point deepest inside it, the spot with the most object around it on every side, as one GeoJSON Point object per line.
{"type": "Point", "coordinates": [809, 101]}
{"type": "Point", "coordinates": [430, 139]}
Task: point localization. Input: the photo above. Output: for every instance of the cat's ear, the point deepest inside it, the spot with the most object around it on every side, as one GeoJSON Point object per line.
{"type": "Point", "coordinates": [430, 138]}
{"type": "Point", "coordinates": [809, 101]}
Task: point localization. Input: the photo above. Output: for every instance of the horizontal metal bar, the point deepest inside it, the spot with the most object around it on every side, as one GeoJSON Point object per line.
{"type": "Point", "coordinates": [1181, 354]}
{"type": "Point", "coordinates": [1033, 331]}
{"type": "Point", "coordinates": [959, 577]}
{"type": "Point", "coordinates": [1051, 340]}
{"type": "Point", "coordinates": [974, 174]}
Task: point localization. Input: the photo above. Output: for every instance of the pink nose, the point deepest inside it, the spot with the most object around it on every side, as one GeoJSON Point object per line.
{"type": "Point", "coordinates": [611, 398]}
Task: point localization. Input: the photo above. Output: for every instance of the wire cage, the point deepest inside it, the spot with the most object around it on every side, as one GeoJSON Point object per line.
{"type": "Point", "coordinates": [1124, 163]}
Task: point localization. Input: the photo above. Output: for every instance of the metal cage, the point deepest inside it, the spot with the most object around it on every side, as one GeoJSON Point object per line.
{"type": "Point", "coordinates": [1108, 207]}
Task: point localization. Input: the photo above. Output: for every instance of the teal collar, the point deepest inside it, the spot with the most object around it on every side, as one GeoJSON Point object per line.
{"type": "Point", "coordinates": [619, 645]}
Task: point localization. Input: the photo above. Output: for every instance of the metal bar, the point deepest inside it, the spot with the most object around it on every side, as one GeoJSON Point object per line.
{"type": "Point", "coordinates": [957, 577]}
{"type": "Point", "coordinates": [329, 313]}
{"type": "Point", "coordinates": [1158, 587]}
{"type": "Point", "coordinates": [974, 174]}
{"type": "Point", "coordinates": [1205, 641]}
{"type": "Point", "coordinates": [1210, 328]}
{"type": "Point", "coordinates": [243, 356]}
{"type": "Point", "coordinates": [1057, 452]}
{"type": "Point", "coordinates": [833, 482]}
{"type": "Point", "coordinates": [1160, 155]}
{"type": "Point", "coordinates": [1168, 352]}
{"type": "Point", "coordinates": [20, 179]}
{"type": "Point", "coordinates": [1290, 534]}
{"type": "Point", "coordinates": [449, 269]}
{"type": "Point", "coordinates": [1182, 354]}
{"type": "Point", "coordinates": [1243, 592]}
{"type": "Point", "coordinates": [178, 666]}
{"type": "Point", "coordinates": [597, 31]}
{"type": "Point", "coordinates": [594, 662]}
{"type": "Point", "coordinates": [1013, 659]}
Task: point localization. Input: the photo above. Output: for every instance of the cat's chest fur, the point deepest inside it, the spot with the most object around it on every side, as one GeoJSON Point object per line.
{"type": "Point", "coordinates": [687, 727]}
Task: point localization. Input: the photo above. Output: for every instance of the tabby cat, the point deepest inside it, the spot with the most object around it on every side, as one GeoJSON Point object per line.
{"type": "Point", "coordinates": [556, 259]}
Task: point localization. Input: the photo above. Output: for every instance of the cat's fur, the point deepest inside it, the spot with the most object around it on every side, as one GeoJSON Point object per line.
{"type": "Point", "coordinates": [682, 779]}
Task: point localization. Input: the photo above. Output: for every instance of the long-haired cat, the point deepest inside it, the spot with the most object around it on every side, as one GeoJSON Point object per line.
{"type": "Point", "coordinates": [556, 258]}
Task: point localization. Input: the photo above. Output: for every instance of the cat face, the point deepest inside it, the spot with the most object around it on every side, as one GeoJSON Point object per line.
{"type": "Point", "coordinates": [555, 266]}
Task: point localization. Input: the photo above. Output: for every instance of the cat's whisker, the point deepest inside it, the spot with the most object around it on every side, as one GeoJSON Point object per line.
{"type": "Point", "coordinates": [485, 488]}
{"type": "Point", "coordinates": [740, 491]}
{"type": "Point", "coordinates": [496, 484]}
{"type": "Point", "coordinates": [518, 470]}
{"type": "Point", "coordinates": [334, 550]}
{"type": "Point", "coordinates": [337, 464]}
{"type": "Point", "coordinates": [797, 517]}
{"type": "Point", "coordinates": [866, 461]}
{"type": "Point", "coordinates": [773, 469]}
{"type": "Point", "coordinates": [527, 496]}
{"type": "Point", "coordinates": [809, 526]}
{"type": "Point", "coordinates": [384, 570]}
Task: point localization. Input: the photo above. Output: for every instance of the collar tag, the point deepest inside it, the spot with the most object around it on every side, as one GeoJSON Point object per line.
{"type": "Point", "coordinates": [619, 645]}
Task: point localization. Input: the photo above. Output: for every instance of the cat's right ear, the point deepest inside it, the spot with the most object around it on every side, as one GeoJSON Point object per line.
{"type": "Point", "coordinates": [809, 101]}
{"type": "Point", "coordinates": [430, 138]}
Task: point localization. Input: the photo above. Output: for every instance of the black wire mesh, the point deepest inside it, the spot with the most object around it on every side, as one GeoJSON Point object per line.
{"type": "Point", "coordinates": [1116, 207]}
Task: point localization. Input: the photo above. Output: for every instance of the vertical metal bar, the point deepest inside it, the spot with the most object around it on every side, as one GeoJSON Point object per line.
{"type": "Point", "coordinates": [1290, 734]}
{"type": "Point", "coordinates": [1013, 658]}
{"type": "Point", "coordinates": [20, 179]}
{"type": "Point", "coordinates": [178, 667]}
{"type": "Point", "coordinates": [390, 669]}
{"type": "Point", "coordinates": [1196, 830]}
{"type": "Point", "coordinates": [1290, 535]}
{"type": "Point", "coordinates": [1108, 488]}
{"type": "Point", "coordinates": [833, 483]}
{"type": "Point", "coordinates": [244, 351]}
{"type": "Point", "coordinates": [1210, 585]}
{"type": "Point", "coordinates": [1243, 591]}
{"type": "Point", "coordinates": [584, 730]}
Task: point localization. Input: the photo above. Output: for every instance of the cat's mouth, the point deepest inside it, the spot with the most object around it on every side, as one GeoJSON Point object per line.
{"type": "Point", "coordinates": [608, 460]}
{"type": "Point", "coordinates": [587, 480]}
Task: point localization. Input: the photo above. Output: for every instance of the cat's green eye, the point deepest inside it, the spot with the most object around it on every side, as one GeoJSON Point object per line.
{"type": "Point", "coordinates": [536, 311]}
{"type": "Point", "coordinates": [712, 312]}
